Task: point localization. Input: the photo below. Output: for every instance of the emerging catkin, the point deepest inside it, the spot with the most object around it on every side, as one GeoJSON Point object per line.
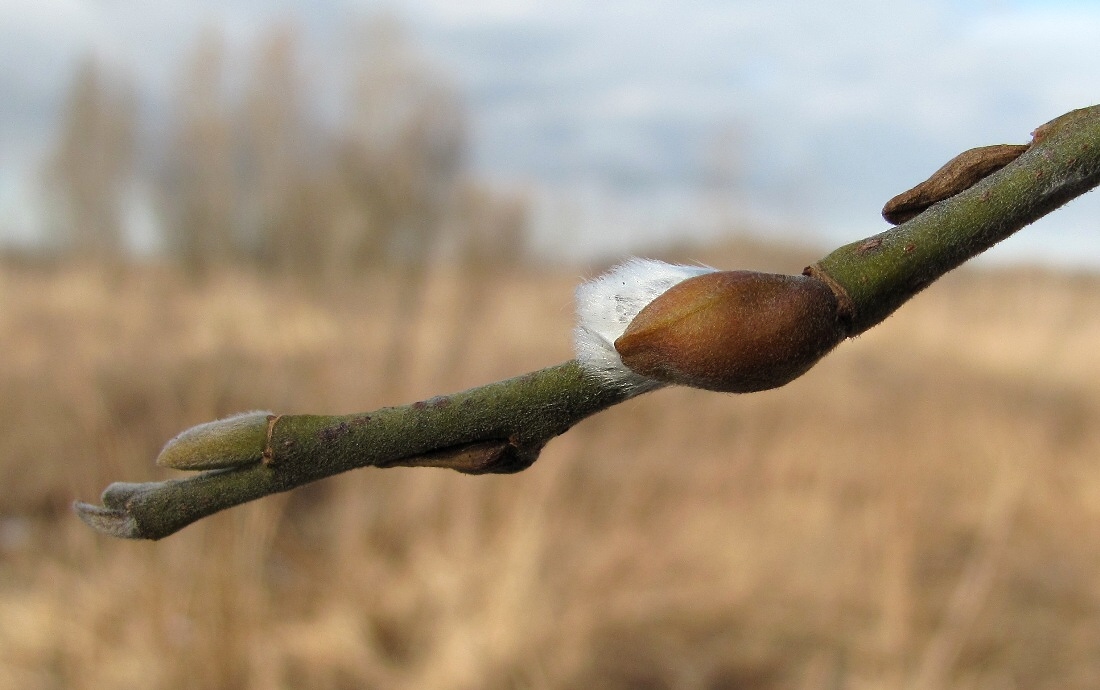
{"type": "Point", "coordinates": [646, 323]}
{"type": "Point", "coordinates": [606, 305]}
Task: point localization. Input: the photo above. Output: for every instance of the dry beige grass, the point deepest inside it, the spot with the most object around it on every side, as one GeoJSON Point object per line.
{"type": "Point", "coordinates": [919, 511]}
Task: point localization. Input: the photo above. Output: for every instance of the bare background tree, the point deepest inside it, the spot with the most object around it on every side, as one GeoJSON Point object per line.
{"type": "Point", "coordinates": [249, 174]}
{"type": "Point", "coordinates": [197, 185]}
{"type": "Point", "coordinates": [281, 224]}
{"type": "Point", "coordinates": [89, 174]}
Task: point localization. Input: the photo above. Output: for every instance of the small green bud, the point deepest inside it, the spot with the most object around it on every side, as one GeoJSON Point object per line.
{"type": "Point", "coordinates": [230, 442]}
{"type": "Point", "coordinates": [733, 331]}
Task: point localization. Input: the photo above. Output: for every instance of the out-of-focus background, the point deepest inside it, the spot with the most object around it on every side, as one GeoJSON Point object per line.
{"type": "Point", "coordinates": [213, 207]}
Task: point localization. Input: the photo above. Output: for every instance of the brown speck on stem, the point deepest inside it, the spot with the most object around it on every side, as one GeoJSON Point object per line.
{"type": "Point", "coordinates": [869, 246]}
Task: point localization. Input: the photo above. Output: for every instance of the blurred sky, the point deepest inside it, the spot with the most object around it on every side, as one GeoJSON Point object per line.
{"type": "Point", "coordinates": [803, 116]}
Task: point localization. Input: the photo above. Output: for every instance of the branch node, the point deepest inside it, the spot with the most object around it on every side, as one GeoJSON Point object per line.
{"type": "Point", "coordinates": [269, 452]}
{"type": "Point", "coordinates": [845, 307]}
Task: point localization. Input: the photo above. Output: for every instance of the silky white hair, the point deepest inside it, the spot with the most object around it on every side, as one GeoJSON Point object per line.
{"type": "Point", "coordinates": [605, 307]}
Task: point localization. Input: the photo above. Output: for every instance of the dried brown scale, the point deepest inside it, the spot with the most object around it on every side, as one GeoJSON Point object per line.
{"type": "Point", "coordinates": [499, 456]}
{"type": "Point", "coordinates": [269, 453]}
{"type": "Point", "coordinates": [961, 172]}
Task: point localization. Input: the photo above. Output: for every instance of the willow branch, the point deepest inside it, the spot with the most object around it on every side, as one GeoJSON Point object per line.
{"type": "Point", "coordinates": [498, 428]}
{"type": "Point", "coordinates": [502, 427]}
{"type": "Point", "coordinates": [879, 274]}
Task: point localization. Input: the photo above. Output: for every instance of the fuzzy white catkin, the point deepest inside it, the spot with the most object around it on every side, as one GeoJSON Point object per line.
{"type": "Point", "coordinates": [605, 307]}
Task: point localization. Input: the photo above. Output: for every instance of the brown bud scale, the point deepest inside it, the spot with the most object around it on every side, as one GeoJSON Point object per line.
{"type": "Point", "coordinates": [733, 331]}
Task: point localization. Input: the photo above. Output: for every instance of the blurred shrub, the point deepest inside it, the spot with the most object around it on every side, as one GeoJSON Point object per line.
{"type": "Point", "coordinates": [247, 170]}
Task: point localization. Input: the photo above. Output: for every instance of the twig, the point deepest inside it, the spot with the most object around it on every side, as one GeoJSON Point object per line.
{"type": "Point", "coordinates": [502, 427]}
{"type": "Point", "coordinates": [498, 428]}
{"type": "Point", "coordinates": [879, 274]}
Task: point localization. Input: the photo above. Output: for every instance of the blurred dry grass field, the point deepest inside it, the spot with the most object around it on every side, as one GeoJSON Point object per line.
{"type": "Point", "coordinates": [919, 511]}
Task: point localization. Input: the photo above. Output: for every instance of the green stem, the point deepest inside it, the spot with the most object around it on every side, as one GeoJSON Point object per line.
{"type": "Point", "coordinates": [879, 274]}
{"type": "Point", "coordinates": [500, 428]}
